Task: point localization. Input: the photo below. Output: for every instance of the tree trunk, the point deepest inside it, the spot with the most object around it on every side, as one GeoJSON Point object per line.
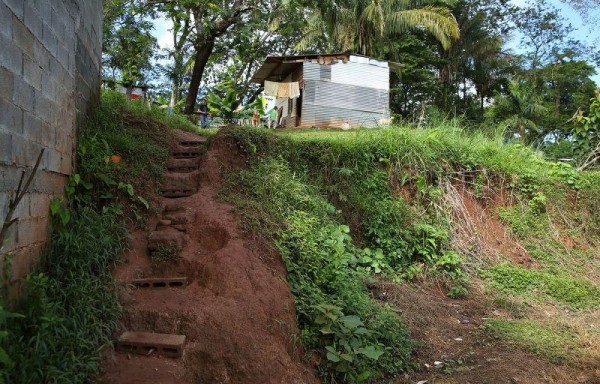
{"type": "Point", "coordinates": [174, 92]}
{"type": "Point", "coordinates": [203, 53]}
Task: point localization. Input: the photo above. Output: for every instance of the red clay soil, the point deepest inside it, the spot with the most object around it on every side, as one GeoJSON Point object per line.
{"type": "Point", "coordinates": [237, 311]}
{"type": "Point", "coordinates": [449, 331]}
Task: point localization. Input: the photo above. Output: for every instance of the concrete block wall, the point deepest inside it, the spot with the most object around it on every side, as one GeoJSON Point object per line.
{"type": "Point", "coordinates": [50, 56]}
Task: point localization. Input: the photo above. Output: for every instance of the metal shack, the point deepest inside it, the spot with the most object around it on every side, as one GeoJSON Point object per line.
{"type": "Point", "coordinates": [341, 90]}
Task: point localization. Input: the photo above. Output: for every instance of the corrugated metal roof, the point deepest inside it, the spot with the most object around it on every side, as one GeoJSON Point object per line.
{"type": "Point", "coordinates": [275, 68]}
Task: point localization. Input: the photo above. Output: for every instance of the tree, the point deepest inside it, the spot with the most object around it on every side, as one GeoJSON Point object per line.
{"type": "Point", "coordinates": [128, 46]}
{"type": "Point", "coordinates": [518, 112]}
{"type": "Point", "coordinates": [366, 26]}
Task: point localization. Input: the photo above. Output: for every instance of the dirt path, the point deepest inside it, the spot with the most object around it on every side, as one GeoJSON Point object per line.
{"type": "Point", "coordinates": [236, 311]}
{"type": "Point", "coordinates": [449, 331]}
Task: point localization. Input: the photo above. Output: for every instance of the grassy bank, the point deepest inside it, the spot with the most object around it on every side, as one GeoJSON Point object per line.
{"type": "Point", "coordinates": [58, 330]}
{"type": "Point", "coordinates": [382, 203]}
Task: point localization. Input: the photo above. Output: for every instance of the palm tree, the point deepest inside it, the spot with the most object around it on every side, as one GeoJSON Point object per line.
{"type": "Point", "coordinates": [518, 111]}
{"type": "Point", "coordinates": [362, 25]}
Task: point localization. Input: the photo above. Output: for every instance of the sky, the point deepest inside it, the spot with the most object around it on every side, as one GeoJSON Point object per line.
{"type": "Point", "coordinates": [582, 33]}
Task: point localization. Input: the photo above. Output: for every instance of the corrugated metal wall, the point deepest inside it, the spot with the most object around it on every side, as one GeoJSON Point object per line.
{"type": "Point", "coordinates": [352, 92]}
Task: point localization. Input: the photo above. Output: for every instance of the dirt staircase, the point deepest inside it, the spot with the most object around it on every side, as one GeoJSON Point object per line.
{"type": "Point", "coordinates": [222, 312]}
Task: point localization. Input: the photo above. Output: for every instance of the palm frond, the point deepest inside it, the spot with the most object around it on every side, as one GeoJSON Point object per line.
{"type": "Point", "coordinates": [438, 21]}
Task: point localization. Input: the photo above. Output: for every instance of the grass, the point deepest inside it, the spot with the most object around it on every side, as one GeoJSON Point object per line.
{"type": "Point", "coordinates": [578, 293]}
{"type": "Point", "coordinates": [70, 306]}
{"type": "Point", "coordinates": [552, 342]}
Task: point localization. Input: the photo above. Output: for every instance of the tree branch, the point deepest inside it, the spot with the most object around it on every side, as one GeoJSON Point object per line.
{"type": "Point", "coordinates": [14, 202]}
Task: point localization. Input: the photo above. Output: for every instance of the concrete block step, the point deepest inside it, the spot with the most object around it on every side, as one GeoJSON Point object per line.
{"type": "Point", "coordinates": [160, 282]}
{"type": "Point", "coordinates": [185, 152]}
{"type": "Point", "coordinates": [181, 180]}
{"type": "Point", "coordinates": [145, 343]}
{"type": "Point", "coordinates": [168, 238]}
{"type": "Point", "coordinates": [192, 143]}
{"type": "Point", "coordinates": [183, 165]}
{"type": "Point", "coordinates": [172, 193]}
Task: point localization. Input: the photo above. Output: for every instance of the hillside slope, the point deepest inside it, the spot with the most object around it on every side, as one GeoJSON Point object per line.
{"type": "Point", "coordinates": [488, 252]}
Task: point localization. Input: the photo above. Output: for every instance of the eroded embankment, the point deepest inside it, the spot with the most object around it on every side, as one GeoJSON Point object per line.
{"type": "Point", "coordinates": [236, 311]}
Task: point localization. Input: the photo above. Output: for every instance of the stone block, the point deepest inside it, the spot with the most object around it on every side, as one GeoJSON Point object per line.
{"type": "Point", "coordinates": [22, 36]}
{"type": "Point", "coordinates": [25, 152]}
{"type": "Point", "coordinates": [11, 56]}
{"type": "Point", "coordinates": [52, 160]}
{"type": "Point", "coordinates": [11, 117]}
{"type": "Point", "coordinates": [145, 343]}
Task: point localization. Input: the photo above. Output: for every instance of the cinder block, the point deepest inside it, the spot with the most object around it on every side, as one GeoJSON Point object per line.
{"type": "Point", "coordinates": [31, 19]}
{"type": "Point", "coordinates": [32, 127]}
{"type": "Point", "coordinates": [160, 282]}
{"type": "Point", "coordinates": [39, 204]}
{"type": "Point", "coordinates": [5, 21]}
{"type": "Point", "coordinates": [181, 152]}
{"type": "Point", "coordinates": [193, 143]}
{"type": "Point", "coordinates": [49, 88]}
{"type": "Point", "coordinates": [32, 230]}
{"type": "Point", "coordinates": [181, 181]}
{"type": "Point", "coordinates": [58, 23]}
{"type": "Point", "coordinates": [145, 343]}
{"type": "Point", "coordinates": [183, 165]}
{"type": "Point", "coordinates": [32, 73]}
{"type": "Point", "coordinates": [167, 238]}
{"type": "Point", "coordinates": [25, 259]}
{"type": "Point", "coordinates": [11, 56]}
{"type": "Point", "coordinates": [5, 150]}
{"type": "Point", "coordinates": [41, 57]}
{"type": "Point", "coordinates": [11, 117]}
{"type": "Point", "coordinates": [22, 36]}
{"type": "Point", "coordinates": [43, 107]}
{"type": "Point", "coordinates": [49, 39]}
{"type": "Point", "coordinates": [23, 94]}
{"type": "Point", "coordinates": [6, 82]}
{"type": "Point", "coordinates": [16, 6]}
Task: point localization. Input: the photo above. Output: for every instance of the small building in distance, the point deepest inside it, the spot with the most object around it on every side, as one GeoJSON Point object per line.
{"type": "Point", "coordinates": [134, 92]}
{"type": "Point", "coordinates": [340, 90]}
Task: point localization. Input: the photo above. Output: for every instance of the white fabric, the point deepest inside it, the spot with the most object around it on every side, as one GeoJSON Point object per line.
{"type": "Point", "coordinates": [282, 90]}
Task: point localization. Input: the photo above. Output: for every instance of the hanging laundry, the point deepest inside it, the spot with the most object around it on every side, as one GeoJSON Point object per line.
{"type": "Point", "coordinates": [294, 90]}
{"type": "Point", "coordinates": [271, 88]}
{"type": "Point", "coordinates": [282, 90]}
